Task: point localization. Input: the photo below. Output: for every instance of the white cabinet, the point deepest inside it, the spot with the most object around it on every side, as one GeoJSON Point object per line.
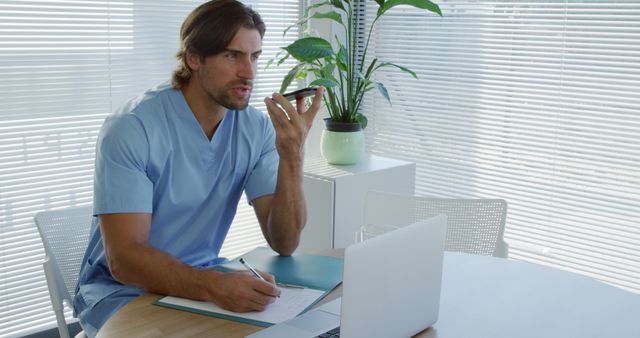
{"type": "Point", "coordinates": [335, 196]}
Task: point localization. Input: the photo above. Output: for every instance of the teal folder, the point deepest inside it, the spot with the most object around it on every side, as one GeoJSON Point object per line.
{"type": "Point", "coordinates": [311, 271]}
{"type": "Point", "coordinates": [322, 273]}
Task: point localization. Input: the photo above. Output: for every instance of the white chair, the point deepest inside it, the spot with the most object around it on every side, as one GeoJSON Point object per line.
{"type": "Point", "coordinates": [473, 225]}
{"type": "Point", "coordinates": [65, 234]}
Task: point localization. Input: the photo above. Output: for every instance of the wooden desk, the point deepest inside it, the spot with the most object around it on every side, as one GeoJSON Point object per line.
{"type": "Point", "coordinates": [481, 297]}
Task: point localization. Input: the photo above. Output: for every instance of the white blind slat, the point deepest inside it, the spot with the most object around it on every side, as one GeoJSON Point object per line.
{"type": "Point", "coordinates": [66, 64]}
{"type": "Point", "coordinates": [535, 102]}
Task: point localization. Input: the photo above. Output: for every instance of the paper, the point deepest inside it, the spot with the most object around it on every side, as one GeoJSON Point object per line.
{"type": "Point", "coordinates": [291, 303]}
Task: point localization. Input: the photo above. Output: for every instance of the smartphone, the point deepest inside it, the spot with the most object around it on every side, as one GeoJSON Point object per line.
{"type": "Point", "coordinates": [309, 91]}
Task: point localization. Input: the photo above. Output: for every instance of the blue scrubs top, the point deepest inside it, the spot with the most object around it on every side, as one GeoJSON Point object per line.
{"type": "Point", "coordinates": [153, 157]}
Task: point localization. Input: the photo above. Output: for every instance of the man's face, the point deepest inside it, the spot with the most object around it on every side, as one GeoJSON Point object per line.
{"type": "Point", "coordinates": [227, 78]}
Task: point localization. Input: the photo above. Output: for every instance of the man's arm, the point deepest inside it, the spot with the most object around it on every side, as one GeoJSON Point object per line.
{"type": "Point", "coordinates": [283, 215]}
{"type": "Point", "coordinates": [134, 262]}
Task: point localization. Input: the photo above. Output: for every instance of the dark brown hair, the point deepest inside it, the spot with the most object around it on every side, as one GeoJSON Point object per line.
{"type": "Point", "coordinates": [209, 29]}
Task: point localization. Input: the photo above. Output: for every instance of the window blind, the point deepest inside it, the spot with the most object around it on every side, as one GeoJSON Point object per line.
{"type": "Point", "coordinates": [65, 66]}
{"type": "Point", "coordinates": [535, 102]}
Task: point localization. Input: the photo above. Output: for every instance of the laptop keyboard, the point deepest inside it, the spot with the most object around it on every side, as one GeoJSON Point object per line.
{"type": "Point", "coordinates": [333, 333]}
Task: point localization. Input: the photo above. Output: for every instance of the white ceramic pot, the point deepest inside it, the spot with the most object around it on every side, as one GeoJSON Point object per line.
{"type": "Point", "coordinates": [342, 143]}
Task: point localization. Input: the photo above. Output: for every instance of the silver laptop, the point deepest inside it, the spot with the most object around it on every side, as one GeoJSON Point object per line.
{"type": "Point", "coordinates": [391, 288]}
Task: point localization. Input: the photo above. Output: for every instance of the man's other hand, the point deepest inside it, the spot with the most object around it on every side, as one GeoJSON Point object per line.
{"type": "Point", "coordinates": [291, 124]}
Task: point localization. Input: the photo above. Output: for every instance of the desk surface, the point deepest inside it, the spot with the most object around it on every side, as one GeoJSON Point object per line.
{"type": "Point", "coordinates": [481, 297]}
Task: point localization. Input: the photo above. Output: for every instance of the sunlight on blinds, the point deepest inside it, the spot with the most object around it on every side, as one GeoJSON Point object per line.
{"type": "Point", "coordinates": [65, 66]}
{"type": "Point", "coordinates": [535, 102]}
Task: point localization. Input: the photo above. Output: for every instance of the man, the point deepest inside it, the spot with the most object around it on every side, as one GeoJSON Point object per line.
{"type": "Point", "coordinates": [172, 164]}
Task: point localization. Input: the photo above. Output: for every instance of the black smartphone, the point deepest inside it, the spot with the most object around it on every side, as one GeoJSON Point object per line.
{"type": "Point", "coordinates": [309, 91]}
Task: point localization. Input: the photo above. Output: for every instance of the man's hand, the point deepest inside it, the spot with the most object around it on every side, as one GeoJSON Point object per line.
{"type": "Point", "coordinates": [292, 125]}
{"type": "Point", "coordinates": [283, 214]}
{"type": "Point", "coordinates": [243, 292]}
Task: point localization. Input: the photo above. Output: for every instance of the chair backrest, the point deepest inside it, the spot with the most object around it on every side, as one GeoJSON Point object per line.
{"type": "Point", "coordinates": [474, 225]}
{"type": "Point", "coordinates": [65, 234]}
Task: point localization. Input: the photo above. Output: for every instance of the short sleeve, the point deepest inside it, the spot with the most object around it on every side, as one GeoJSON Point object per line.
{"type": "Point", "coordinates": [120, 182]}
{"type": "Point", "coordinates": [263, 178]}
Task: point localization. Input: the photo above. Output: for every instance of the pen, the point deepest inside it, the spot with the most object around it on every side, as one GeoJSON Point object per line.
{"type": "Point", "coordinates": [253, 271]}
{"type": "Point", "coordinates": [250, 268]}
{"type": "Point", "coordinates": [292, 286]}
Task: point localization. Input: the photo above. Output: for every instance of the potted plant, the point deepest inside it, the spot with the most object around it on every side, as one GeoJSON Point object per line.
{"type": "Point", "coordinates": [346, 75]}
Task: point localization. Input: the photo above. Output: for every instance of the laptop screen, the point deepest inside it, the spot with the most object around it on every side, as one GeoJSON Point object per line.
{"type": "Point", "coordinates": [392, 281]}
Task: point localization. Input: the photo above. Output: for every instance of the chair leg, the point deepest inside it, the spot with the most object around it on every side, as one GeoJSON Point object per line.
{"type": "Point", "coordinates": [54, 295]}
{"type": "Point", "coordinates": [62, 323]}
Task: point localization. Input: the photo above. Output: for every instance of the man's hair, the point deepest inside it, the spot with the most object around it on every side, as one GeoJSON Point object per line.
{"type": "Point", "coordinates": [209, 29]}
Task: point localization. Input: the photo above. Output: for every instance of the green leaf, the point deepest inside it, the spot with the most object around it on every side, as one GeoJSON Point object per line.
{"type": "Point", "coordinates": [337, 4]}
{"type": "Point", "coordinates": [404, 69]}
{"type": "Point", "coordinates": [299, 23]}
{"type": "Point", "coordinates": [327, 83]}
{"type": "Point", "coordinates": [317, 72]}
{"type": "Point", "coordinates": [281, 61]}
{"type": "Point", "coordinates": [335, 16]}
{"type": "Point", "coordinates": [342, 59]}
{"type": "Point", "coordinates": [328, 69]}
{"type": "Point", "coordinates": [422, 4]}
{"type": "Point", "coordinates": [302, 74]}
{"type": "Point", "coordinates": [327, 72]}
{"type": "Point", "coordinates": [273, 59]}
{"type": "Point", "coordinates": [380, 2]}
{"type": "Point", "coordinates": [362, 120]}
{"type": "Point", "coordinates": [381, 88]}
{"type": "Point", "coordinates": [316, 5]}
{"type": "Point", "coordinates": [289, 77]}
{"type": "Point", "coordinates": [268, 64]}
{"type": "Point", "coordinates": [310, 49]}
{"type": "Point", "coordinates": [363, 78]}
{"type": "Point", "coordinates": [370, 69]}
{"type": "Point", "coordinates": [332, 104]}
{"type": "Point", "coordinates": [305, 16]}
